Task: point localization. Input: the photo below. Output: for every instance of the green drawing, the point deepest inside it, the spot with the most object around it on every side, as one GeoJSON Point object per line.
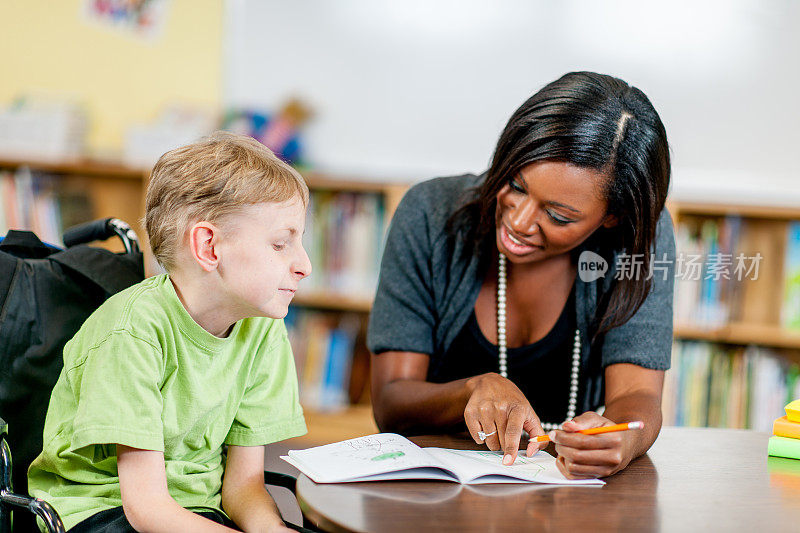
{"type": "Point", "coordinates": [390, 455]}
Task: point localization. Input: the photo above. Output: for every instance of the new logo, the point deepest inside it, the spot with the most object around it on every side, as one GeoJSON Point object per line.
{"type": "Point", "coordinates": [591, 266]}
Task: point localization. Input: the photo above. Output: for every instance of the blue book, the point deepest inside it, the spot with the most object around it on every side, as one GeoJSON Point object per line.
{"type": "Point", "coordinates": [336, 382]}
{"type": "Point", "coordinates": [790, 314]}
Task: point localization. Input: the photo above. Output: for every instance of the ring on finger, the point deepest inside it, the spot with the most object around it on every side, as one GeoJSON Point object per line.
{"type": "Point", "coordinates": [482, 436]}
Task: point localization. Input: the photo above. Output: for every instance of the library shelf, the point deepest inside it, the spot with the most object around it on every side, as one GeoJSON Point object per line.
{"type": "Point", "coordinates": [392, 191]}
{"type": "Point", "coordinates": [80, 167]}
{"type": "Point", "coordinates": [737, 341]}
{"type": "Point", "coordinates": [108, 189]}
{"type": "Point", "coordinates": [754, 305]}
{"type": "Point", "coordinates": [740, 334]}
{"type": "Point", "coordinates": [118, 190]}
{"type": "Point", "coordinates": [680, 208]}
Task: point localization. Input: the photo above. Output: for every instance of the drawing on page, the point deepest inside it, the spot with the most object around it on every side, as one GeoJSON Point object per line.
{"type": "Point", "coordinates": [364, 443]}
{"type": "Point", "coordinates": [390, 455]}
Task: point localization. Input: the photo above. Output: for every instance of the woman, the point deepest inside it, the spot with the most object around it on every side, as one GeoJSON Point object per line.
{"type": "Point", "coordinates": [482, 315]}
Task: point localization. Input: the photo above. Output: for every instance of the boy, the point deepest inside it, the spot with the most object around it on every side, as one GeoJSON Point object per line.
{"type": "Point", "coordinates": [165, 373]}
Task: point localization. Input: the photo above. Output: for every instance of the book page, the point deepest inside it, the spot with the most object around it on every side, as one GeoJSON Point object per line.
{"type": "Point", "coordinates": [478, 466]}
{"type": "Point", "coordinates": [366, 457]}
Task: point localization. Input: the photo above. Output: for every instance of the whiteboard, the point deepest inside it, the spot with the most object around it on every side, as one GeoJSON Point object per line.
{"type": "Point", "coordinates": [412, 89]}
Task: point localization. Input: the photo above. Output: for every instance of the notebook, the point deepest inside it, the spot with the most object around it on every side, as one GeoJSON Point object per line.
{"type": "Point", "coordinates": [388, 456]}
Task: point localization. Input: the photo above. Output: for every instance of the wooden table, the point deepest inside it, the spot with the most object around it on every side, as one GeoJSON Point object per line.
{"type": "Point", "coordinates": [692, 479]}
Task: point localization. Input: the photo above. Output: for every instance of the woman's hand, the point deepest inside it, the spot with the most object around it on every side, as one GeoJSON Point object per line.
{"type": "Point", "coordinates": [497, 405]}
{"type": "Point", "coordinates": [591, 456]}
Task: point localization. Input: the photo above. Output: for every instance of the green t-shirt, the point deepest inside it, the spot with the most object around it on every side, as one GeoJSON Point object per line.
{"type": "Point", "coordinates": [142, 373]}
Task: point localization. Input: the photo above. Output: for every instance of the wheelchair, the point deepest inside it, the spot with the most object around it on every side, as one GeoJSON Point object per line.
{"type": "Point", "coordinates": [46, 293]}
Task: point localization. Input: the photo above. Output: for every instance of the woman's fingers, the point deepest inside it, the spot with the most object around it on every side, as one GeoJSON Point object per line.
{"type": "Point", "coordinates": [534, 428]}
{"type": "Point", "coordinates": [583, 456]}
{"type": "Point", "coordinates": [605, 457]}
{"type": "Point", "coordinates": [488, 416]}
{"type": "Point", "coordinates": [501, 422]}
{"type": "Point", "coordinates": [586, 442]}
{"type": "Point", "coordinates": [589, 419]}
{"type": "Point", "coordinates": [490, 429]}
{"type": "Point", "coordinates": [569, 436]}
{"type": "Point", "coordinates": [577, 471]}
{"type": "Point", "coordinates": [474, 427]}
{"type": "Point", "coordinates": [512, 434]}
{"type": "Point", "coordinates": [496, 404]}
{"type": "Point", "coordinates": [481, 425]}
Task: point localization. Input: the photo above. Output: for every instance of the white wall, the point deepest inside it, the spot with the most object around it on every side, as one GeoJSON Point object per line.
{"type": "Point", "coordinates": [411, 89]}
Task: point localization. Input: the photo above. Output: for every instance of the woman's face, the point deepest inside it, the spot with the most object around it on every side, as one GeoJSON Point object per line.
{"type": "Point", "coordinates": [548, 209]}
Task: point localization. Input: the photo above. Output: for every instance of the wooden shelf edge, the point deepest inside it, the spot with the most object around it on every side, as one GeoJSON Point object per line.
{"type": "Point", "coordinates": [320, 180]}
{"type": "Point", "coordinates": [778, 212]}
{"type": "Point", "coordinates": [332, 301]}
{"type": "Point", "coordinates": [115, 169]}
{"type": "Point", "coordinates": [744, 334]}
{"type": "Point", "coordinates": [80, 167]}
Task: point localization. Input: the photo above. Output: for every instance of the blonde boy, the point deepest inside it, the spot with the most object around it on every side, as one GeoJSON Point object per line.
{"type": "Point", "coordinates": [165, 373]}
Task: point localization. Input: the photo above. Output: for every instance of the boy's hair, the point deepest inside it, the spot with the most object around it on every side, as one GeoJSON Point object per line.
{"type": "Point", "coordinates": [210, 179]}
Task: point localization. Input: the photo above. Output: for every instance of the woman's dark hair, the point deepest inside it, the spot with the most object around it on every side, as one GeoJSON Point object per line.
{"type": "Point", "coordinates": [597, 122]}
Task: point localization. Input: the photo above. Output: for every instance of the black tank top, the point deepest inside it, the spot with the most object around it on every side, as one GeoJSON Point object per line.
{"type": "Point", "coordinates": [541, 370]}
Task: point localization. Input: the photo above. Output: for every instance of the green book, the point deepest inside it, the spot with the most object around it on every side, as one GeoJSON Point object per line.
{"type": "Point", "coordinates": [784, 447]}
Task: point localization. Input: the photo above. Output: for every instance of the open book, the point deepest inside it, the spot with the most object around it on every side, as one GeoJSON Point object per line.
{"type": "Point", "coordinates": [389, 456]}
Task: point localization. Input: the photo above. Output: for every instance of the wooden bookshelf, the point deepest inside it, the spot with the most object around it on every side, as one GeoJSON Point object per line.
{"type": "Point", "coordinates": [743, 368]}
{"type": "Point", "coordinates": [112, 189]}
{"type": "Point", "coordinates": [392, 192]}
{"type": "Point", "coordinates": [332, 301]}
{"type": "Point", "coordinates": [80, 167]}
{"type": "Point", "coordinates": [709, 209]}
{"type": "Point", "coordinates": [756, 312]}
{"type": "Point", "coordinates": [741, 334]}
{"type": "Point", "coordinates": [118, 190]}
{"type": "Point", "coordinates": [327, 308]}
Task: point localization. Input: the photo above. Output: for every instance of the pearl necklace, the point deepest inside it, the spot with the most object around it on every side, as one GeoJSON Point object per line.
{"type": "Point", "coordinates": [503, 350]}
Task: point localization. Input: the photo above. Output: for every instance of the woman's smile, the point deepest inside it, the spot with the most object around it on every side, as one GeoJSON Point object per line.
{"type": "Point", "coordinates": [515, 244]}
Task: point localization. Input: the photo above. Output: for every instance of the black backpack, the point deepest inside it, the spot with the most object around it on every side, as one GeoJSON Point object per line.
{"type": "Point", "coordinates": [46, 293]}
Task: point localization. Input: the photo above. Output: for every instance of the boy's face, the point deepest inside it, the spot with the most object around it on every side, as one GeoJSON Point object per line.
{"type": "Point", "coordinates": [262, 258]}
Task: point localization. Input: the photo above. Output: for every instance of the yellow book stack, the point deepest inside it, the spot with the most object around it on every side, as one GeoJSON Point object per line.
{"type": "Point", "coordinates": [785, 441]}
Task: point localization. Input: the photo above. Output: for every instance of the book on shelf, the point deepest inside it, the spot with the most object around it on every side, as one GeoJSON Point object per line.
{"type": "Point", "coordinates": [790, 315]}
{"type": "Point", "coordinates": [709, 273]}
{"type": "Point", "coordinates": [387, 456]}
{"type": "Point", "coordinates": [38, 202]}
{"type": "Point", "coordinates": [717, 386]}
{"type": "Point", "coordinates": [344, 240]}
{"type": "Point", "coordinates": [323, 345]}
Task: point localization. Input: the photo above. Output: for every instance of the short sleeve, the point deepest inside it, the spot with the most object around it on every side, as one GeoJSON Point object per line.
{"type": "Point", "coordinates": [646, 339]}
{"type": "Point", "coordinates": [270, 408]}
{"type": "Point", "coordinates": [402, 317]}
{"type": "Point", "coordinates": [117, 386]}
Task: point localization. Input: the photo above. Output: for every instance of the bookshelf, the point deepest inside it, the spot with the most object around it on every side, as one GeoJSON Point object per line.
{"type": "Point", "coordinates": [345, 231]}
{"type": "Point", "coordinates": [754, 305]}
{"type": "Point", "coordinates": [753, 318]}
{"type": "Point", "coordinates": [109, 189]}
{"type": "Point", "coordinates": [737, 349]}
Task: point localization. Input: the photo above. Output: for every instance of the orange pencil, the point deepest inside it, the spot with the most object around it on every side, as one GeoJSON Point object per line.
{"type": "Point", "coordinates": [594, 431]}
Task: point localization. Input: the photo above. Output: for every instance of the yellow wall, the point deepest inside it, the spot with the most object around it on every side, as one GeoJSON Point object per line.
{"type": "Point", "coordinates": [49, 46]}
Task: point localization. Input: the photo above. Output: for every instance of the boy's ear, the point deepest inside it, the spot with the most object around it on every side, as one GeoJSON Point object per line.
{"type": "Point", "coordinates": [203, 238]}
